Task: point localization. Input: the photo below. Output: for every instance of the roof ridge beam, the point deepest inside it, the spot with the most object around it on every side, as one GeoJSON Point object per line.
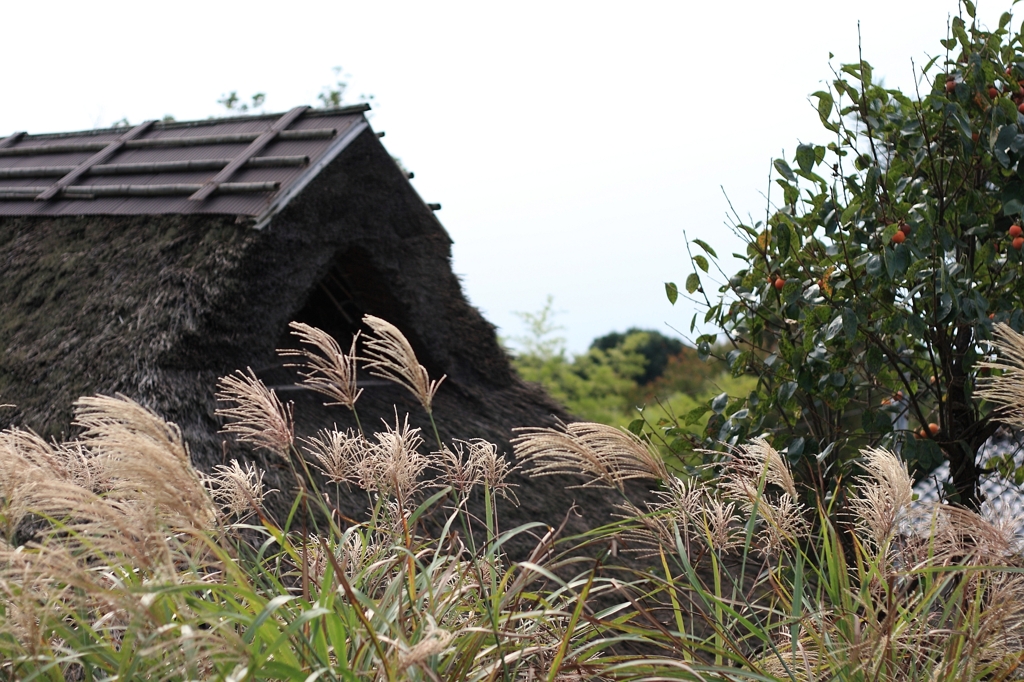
{"type": "Point", "coordinates": [252, 150]}
{"type": "Point", "coordinates": [99, 157]}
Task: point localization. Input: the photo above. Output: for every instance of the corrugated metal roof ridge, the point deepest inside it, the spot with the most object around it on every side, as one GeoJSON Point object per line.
{"type": "Point", "coordinates": [171, 125]}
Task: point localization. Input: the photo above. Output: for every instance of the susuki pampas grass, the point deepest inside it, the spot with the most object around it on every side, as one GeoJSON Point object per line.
{"type": "Point", "coordinates": [1007, 389]}
{"type": "Point", "coordinates": [256, 415]}
{"type": "Point", "coordinates": [328, 371]}
{"type": "Point", "coordinates": [119, 559]}
{"type": "Point", "coordinates": [604, 455]}
{"type": "Point", "coordinates": [389, 355]}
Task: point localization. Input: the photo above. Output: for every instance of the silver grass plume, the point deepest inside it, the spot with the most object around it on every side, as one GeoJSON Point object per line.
{"type": "Point", "coordinates": [337, 453]}
{"type": "Point", "coordinates": [389, 355]}
{"type": "Point", "coordinates": [493, 467]}
{"type": "Point", "coordinates": [679, 507]}
{"type": "Point", "coordinates": [722, 525]}
{"type": "Point", "coordinates": [393, 464]}
{"type": "Point", "coordinates": [239, 490]}
{"type": "Point", "coordinates": [457, 469]}
{"type": "Point", "coordinates": [257, 416]}
{"type": "Point", "coordinates": [143, 458]}
{"type": "Point", "coordinates": [607, 456]}
{"type": "Point", "coordinates": [1006, 390]}
{"type": "Point", "coordinates": [471, 462]}
{"type": "Point", "coordinates": [433, 641]}
{"type": "Point", "coordinates": [756, 459]}
{"type": "Point", "coordinates": [752, 466]}
{"type": "Point", "coordinates": [327, 370]}
{"type": "Point", "coordinates": [885, 492]}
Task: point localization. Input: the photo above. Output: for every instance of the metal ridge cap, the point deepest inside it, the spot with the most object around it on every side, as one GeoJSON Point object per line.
{"type": "Point", "coordinates": [309, 113]}
{"type": "Point", "coordinates": [286, 195]}
{"type": "Point", "coordinates": [170, 125]}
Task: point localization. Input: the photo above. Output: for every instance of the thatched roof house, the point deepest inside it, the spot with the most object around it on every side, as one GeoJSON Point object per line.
{"type": "Point", "coordinates": [150, 261]}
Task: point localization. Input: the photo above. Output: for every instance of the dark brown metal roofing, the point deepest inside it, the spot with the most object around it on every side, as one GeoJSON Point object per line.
{"type": "Point", "coordinates": [249, 166]}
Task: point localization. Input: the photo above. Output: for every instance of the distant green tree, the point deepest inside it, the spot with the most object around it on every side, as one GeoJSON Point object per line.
{"type": "Point", "coordinates": [596, 385]}
{"type": "Point", "coordinates": [234, 104]}
{"type": "Point", "coordinates": [656, 348]}
{"type": "Point", "coordinates": [334, 95]}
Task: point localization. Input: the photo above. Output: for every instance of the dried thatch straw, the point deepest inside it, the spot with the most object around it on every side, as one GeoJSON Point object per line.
{"type": "Point", "coordinates": [1006, 390]}
{"type": "Point", "coordinates": [390, 356]}
{"type": "Point", "coordinates": [258, 416]}
{"type": "Point", "coordinates": [606, 455]}
{"type": "Point", "coordinates": [328, 371]}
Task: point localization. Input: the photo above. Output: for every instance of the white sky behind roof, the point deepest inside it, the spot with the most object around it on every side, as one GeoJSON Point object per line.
{"type": "Point", "coordinates": [570, 143]}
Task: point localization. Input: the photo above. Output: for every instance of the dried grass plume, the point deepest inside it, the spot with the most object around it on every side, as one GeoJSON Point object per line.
{"type": "Point", "coordinates": [1006, 390]}
{"type": "Point", "coordinates": [607, 456]}
{"type": "Point", "coordinates": [389, 355]}
{"type": "Point", "coordinates": [327, 370]}
{"type": "Point", "coordinates": [885, 493]}
{"type": "Point", "coordinates": [257, 417]}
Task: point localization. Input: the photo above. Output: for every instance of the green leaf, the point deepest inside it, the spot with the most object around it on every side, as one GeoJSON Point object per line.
{"type": "Point", "coordinates": [636, 427]}
{"type": "Point", "coordinates": [672, 291]}
{"type": "Point", "coordinates": [959, 116]}
{"type": "Point", "coordinates": [874, 265]}
{"type": "Point", "coordinates": [782, 236]}
{"type": "Point", "coordinates": [850, 324]}
{"type": "Point", "coordinates": [719, 402]}
{"type": "Point", "coordinates": [945, 306]}
{"type": "Point", "coordinates": [805, 157]}
{"type": "Point", "coordinates": [1012, 197]}
{"type": "Point", "coordinates": [701, 262]}
{"type": "Point", "coordinates": [694, 415]}
{"type": "Point", "coordinates": [786, 391]}
{"type": "Point", "coordinates": [825, 104]}
{"type": "Point", "coordinates": [972, 11]}
{"type": "Point", "coordinates": [784, 170]}
{"type": "Point", "coordinates": [1009, 108]}
{"type": "Point", "coordinates": [834, 328]}
{"type": "Point", "coordinates": [692, 283]}
{"type": "Point", "coordinates": [702, 244]}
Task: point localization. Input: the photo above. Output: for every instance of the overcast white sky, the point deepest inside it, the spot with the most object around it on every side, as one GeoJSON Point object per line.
{"type": "Point", "coordinates": [570, 143]}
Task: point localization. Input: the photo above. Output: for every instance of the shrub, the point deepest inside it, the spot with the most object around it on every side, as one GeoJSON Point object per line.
{"type": "Point", "coordinates": [865, 305]}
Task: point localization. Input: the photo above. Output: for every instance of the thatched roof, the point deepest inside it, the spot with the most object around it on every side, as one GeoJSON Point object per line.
{"type": "Point", "coordinates": [158, 305]}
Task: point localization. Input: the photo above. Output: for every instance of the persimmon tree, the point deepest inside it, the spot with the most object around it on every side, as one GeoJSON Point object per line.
{"type": "Point", "coordinates": [866, 299]}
